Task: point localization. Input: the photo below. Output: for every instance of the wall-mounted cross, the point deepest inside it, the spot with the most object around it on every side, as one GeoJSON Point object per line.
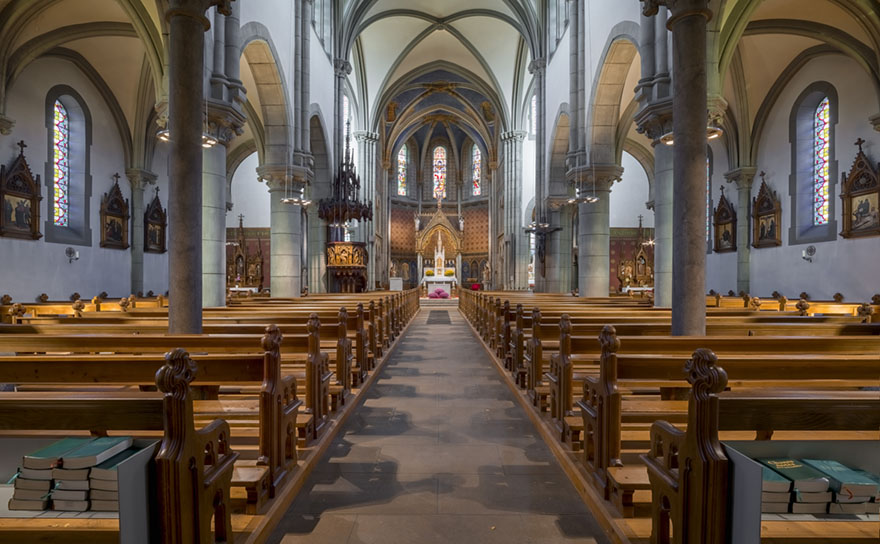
{"type": "Point", "coordinates": [21, 145]}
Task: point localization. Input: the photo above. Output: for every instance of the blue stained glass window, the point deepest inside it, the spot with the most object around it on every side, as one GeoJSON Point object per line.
{"type": "Point", "coordinates": [439, 172]}
{"type": "Point", "coordinates": [401, 171]}
{"type": "Point", "coordinates": [477, 171]}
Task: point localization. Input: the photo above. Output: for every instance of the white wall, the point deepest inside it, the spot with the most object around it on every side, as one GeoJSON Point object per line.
{"type": "Point", "coordinates": [628, 197]}
{"type": "Point", "coordinates": [156, 264]}
{"type": "Point", "coordinates": [721, 267]}
{"type": "Point", "coordinates": [250, 197]}
{"type": "Point", "coordinates": [845, 266]}
{"type": "Point", "coordinates": [28, 268]}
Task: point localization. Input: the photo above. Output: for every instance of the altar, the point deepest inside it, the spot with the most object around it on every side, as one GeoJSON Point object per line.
{"type": "Point", "coordinates": [439, 276]}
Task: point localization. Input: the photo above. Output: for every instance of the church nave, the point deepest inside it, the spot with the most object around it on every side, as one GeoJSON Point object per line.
{"type": "Point", "coordinates": [440, 451]}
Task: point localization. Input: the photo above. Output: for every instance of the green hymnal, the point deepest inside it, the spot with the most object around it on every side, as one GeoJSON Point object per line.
{"type": "Point", "coordinates": [108, 469]}
{"type": "Point", "coordinates": [804, 477]}
{"type": "Point", "coordinates": [844, 481]}
{"type": "Point", "coordinates": [774, 482]}
{"type": "Point", "coordinates": [95, 452]}
{"type": "Point", "coordinates": [48, 457]}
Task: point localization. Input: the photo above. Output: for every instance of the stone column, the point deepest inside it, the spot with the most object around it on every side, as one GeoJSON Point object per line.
{"type": "Point", "coordinates": [214, 226]}
{"type": "Point", "coordinates": [186, 53]}
{"type": "Point", "coordinates": [366, 169]}
{"type": "Point", "coordinates": [218, 69]}
{"type": "Point", "coordinates": [341, 68]}
{"type": "Point", "coordinates": [538, 68]}
{"type": "Point", "coordinates": [317, 248]}
{"type": "Point", "coordinates": [594, 231]}
{"type": "Point", "coordinates": [663, 225]}
{"type": "Point", "coordinates": [512, 155]}
{"type": "Point", "coordinates": [743, 177]}
{"type": "Point", "coordinates": [139, 180]}
{"type": "Point", "coordinates": [286, 221]}
{"type": "Point", "coordinates": [688, 23]}
{"type": "Point", "coordinates": [235, 93]}
{"type": "Point", "coordinates": [654, 119]}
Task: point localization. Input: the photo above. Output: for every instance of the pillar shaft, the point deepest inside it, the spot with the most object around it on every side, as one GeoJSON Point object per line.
{"type": "Point", "coordinates": [663, 225]}
{"type": "Point", "coordinates": [139, 180]}
{"type": "Point", "coordinates": [743, 177]}
{"type": "Point", "coordinates": [214, 226]}
{"type": "Point", "coordinates": [317, 248]}
{"type": "Point", "coordinates": [185, 107]}
{"type": "Point", "coordinates": [286, 235]}
{"type": "Point", "coordinates": [689, 184]}
{"type": "Point", "coordinates": [594, 237]}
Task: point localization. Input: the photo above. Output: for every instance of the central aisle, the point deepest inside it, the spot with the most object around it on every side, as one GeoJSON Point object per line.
{"type": "Point", "coordinates": [440, 451]}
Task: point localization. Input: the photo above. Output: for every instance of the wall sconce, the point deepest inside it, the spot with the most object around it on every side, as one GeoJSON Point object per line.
{"type": "Point", "coordinates": [808, 253]}
{"type": "Point", "coordinates": [71, 254]}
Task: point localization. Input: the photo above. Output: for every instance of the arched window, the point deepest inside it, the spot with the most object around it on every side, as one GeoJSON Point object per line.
{"type": "Point", "coordinates": [477, 170]}
{"type": "Point", "coordinates": [68, 176]}
{"type": "Point", "coordinates": [61, 166]}
{"type": "Point", "coordinates": [439, 172]}
{"type": "Point", "coordinates": [401, 171]}
{"type": "Point", "coordinates": [821, 150]}
{"type": "Point", "coordinates": [813, 182]}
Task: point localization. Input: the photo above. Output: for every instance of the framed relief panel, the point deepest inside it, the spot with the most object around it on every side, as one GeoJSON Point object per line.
{"type": "Point", "coordinates": [155, 223]}
{"type": "Point", "coordinates": [861, 195]}
{"type": "Point", "coordinates": [767, 214]}
{"type": "Point", "coordinates": [114, 218]}
{"type": "Point", "coordinates": [725, 225]}
{"type": "Point", "coordinates": [19, 199]}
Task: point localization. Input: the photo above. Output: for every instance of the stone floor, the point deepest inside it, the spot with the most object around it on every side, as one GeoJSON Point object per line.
{"type": "Point", "coordinates": [440, 451]}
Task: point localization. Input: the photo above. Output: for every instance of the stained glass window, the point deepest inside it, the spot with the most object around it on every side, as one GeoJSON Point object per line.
{"type": "Point", "coordinates": [61, 159]}
{"type": "Point", "coordinates": [401, 171]}
{"type": "Point", "coordinates": [821, 149]}
{"type": "Point", "coordinates": [439, 172]}
{"type": "Point", "coordinates": [708, 199]}
{"type": "Point", "coordinates": [477, 170]}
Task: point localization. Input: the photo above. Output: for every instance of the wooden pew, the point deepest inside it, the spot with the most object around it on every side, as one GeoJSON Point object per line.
{"type": "Point", "coordinates": [193, 466]}
{"type": "Point", "coordinates": [755, 362]}
{"type": "Point", "coordinates": [692, 505]}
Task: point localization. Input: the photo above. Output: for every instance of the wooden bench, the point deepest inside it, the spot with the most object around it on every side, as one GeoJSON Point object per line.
{"type": "Point", "coordinates": [756, 362]}
{"type": "Point", "coordinates": [692, 505]}
{"type": "Point", "coordinates": [194, 467]}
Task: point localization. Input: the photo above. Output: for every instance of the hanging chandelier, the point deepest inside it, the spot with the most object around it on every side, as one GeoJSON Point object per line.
{"type": "Point", "coordinates": [345, 205]}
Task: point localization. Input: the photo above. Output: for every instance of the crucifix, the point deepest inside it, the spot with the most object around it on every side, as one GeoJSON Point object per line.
{"type": "Point", "coordinates": [116, 178]}
{"type": "Point", "coordinates": [21, 145]}
{"type": "Point", "coordinates": [859, 143]}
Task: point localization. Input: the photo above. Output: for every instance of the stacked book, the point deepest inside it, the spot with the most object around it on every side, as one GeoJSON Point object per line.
{"type": "Point", "coordinates": [60, 473]}
{"type": "Point", "coordinates": [811, 486]}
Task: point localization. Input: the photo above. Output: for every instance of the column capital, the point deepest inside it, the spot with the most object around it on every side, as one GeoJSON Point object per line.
{"type": "Point", "coordinates": [742, 177]}
{"type": "Point", "coordinates": [678, 9]}
{"type": "Point", "coordinates": [140, 179]}
{"type": "Point", "coordinates": [875, 122]}
{"type": "Point", "coordinates": [341, 67]}
{"type": "Point", "coordinates": [655, 119]}
{"type": "Point", "coordinates": [716, 106]}
{"type": "Point", "coordinates": [537, 66]}
{"type": "Point", "coordinates": [513, 136]}
{"type": "Point", "coordinates": [225, 121]}
{"type": "Point", "coordinates": [366, 136]}
{"type": "Point", "coordinates": [279, 177]}
{"type": "Point", "coordinates": [6, 125]}
{"type": "Point", "coordinates": [196, 9]}
{"type": "Point", "coordinates": [602, 175]}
